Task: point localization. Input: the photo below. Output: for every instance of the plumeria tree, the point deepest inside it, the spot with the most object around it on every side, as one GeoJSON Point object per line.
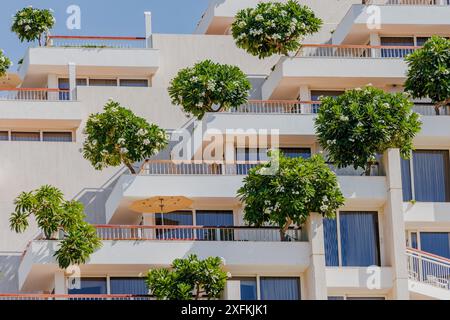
{"type": "Point", "coordinates": [274, 28]}
{"type": "Point", "coordinates": [5, 63]}
{"type": "Point", "coordinates": [290, 194]}
{"type": "Point", "coordinates": [31, 24]}
{"type": "Point", "coordinates": [53, 214]}
{"type": "Point", "coordinates": [117, 136]}
{"type": "Point", "coordinates": [188, 279]}
{"type": "Point", "coordinates": [361, 123]}
{"type": "Point", "coordinates": [429, 72]}
{"type": "Point", "coordinates": [209, 87]}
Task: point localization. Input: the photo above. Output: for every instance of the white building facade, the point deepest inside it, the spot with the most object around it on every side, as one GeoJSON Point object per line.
{"type": "Point", "coordinates": [391, 239]}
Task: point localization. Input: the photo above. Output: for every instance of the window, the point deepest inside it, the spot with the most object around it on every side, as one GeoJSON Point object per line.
{"type": "Point", "coordinates": [103, 82]}
{"type": "Point", "coordinates": [354, 298]}
{"type": "Point", "coordinates": [215, 219]}
{"type": "Point", "coordinates": [251, 154]}
{"type": "Point", "coordinates": [4, 136]}
{"type": "Point", "coordinates": [352, 240]}
{"type": "Point", "coordinates": [90, 286]}
{"type": "Point", "coordinates": [280, 288]}
{"type": "Point", "coordinates": [179, 218]}
{"type": "Point", "coordinates": [134, 286]}
{"type": "Point", "coordinates": [64, 84]}
{"type": "Point", "coordinates": [133, 82]}
{"type": "Point", "coordinates": [437, 243]}
{"type": "Point", "coordinates": [25, 136]}
{"type": "Point", "coordinates": [57, 136]}
{"type": "Point", "coordinates": [430, 172]}
{"type": "Point", "coordinates": [248, 289]}
{"type": "Point", "coordinates": [296, 152]}
{"type": "Point", "coordinates": [317, 94]}
{"type": "Point", "coordinates": [396, 42]}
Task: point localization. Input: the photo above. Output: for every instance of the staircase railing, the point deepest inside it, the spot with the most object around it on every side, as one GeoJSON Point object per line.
{"type": "Point", "coordinates": [428, 268]}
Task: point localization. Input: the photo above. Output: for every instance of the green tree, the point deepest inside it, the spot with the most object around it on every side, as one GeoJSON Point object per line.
{"type": "Point", "coordinates": [274, 28]}
{"type": "Point", "coordinates": [188, 279]}
{"type": "Point", "coordinates": [209, 87]}
{"type": "Point", "coordinates": [289, 194]}
{"type": "Point", "coordinates": [53, 214]}
{"type": "Point", "coordinates": [5, 63]}
{"type": "Point", "coordinates": [31, 24]}
{"type": "Point", "coordinates": [429, 72]}
{"type": "Point", "coordinates": [361, 123]}
{"type": "Point", "coordinates": [117, 136]}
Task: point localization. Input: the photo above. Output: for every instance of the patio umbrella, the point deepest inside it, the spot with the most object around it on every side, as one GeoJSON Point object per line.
{"type": "Point", "coordinates": [161, 204]}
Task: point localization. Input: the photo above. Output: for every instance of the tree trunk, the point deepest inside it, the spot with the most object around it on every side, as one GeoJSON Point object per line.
{"type": "Point", "coordinates": [439, 105]}
{"type": "Point", "coordinates": [368, 169]}
{"type": "Point", "coordinates": [284, 229]}
{"type": "Point", "coordinates": [130, 167]}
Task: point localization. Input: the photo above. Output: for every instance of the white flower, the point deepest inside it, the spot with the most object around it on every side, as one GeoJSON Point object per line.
{"type": "Point", "coordinates": [344, 118]}
{"type": "Point", "coordinates": [121, 141]}
{"type": "Point", "coordinates": [323, 207]}
{"type": "Point", "coordinates": [27, 28]}
{"type": "Point", "coordinates": [242, 24]}
{"type": "Point", "coordinates": [94, 142]}
{"type": "Point", "coordinates": [142, 132]}
{"type": "Point", "coordinates": [146, 142]}
{"type": "Point", "coordinates": [124, 150]}
{"type": "Point", "coordinates": [259, 17]}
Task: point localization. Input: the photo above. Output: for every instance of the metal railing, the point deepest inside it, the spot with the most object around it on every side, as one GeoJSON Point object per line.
{"type": "Point", "coordinates": [408, 2]}
{"type": "Point", "coordinates": [428, 268]}
{"type": "Point", "coordinates": [354, 51]}
{"type": "Point", "coordinates": [171, 167]}
{"type": "Point", "coordinates": [194, 233]}
{"type": "Point", "coordinates": [277, 107]}
{"type": "Point", "coordinates": [96, 42]}
{"type": "Point", "coordinates": [74, 297]}
{"type": "Point", "coordinates": [428, 109]}
{"type": "Point", "coordinates": [35, 94]}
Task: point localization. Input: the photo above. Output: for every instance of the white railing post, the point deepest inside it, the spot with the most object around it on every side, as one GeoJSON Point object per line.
{"type": "Point", "coordinates": [148, 29]}
{"type": "Point", "coordinates": [72, 80]}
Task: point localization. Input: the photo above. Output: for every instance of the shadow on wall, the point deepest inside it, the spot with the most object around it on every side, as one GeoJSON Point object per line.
{"type": "Point", "coordinates": [8, 273]}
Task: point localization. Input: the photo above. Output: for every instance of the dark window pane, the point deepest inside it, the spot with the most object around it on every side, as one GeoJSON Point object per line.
{"type": "Point", "coordinates": [406, 179]}
{"type": "Point", "coordinates": [366, 298]}
{"type": "Point", "coordinates": [215, 219]}
{"type": "Point", "coordinates": [57, 136]}
{"type": "Point", "coordinates": [317, 94]}
{"type": "Point", "coordinates": [414, 240]}
{"type": "Point", "coordinates": [90, 286]}
{"type": "Point", "coordinates": [133, 82]}
{"type": "Point", "coordinates": [394, 42]}
{"type": "Point", "coordinates": [431, 175]}
{"type": "Point", "coordinates": [331, 242]}
{"type": "Point", "coordinates": [135, 286]}
{"type": "Point", "coordinates": [63, 83]}
{"type": "Point", "coordinates": [103, 82]}
{"type": "Point", "coordinates": [304, 153]}
{"type": "Point", "coordinates": [421, 40]}
{"type": "Point", "coordinates": [25, 136]}
{"type": "Point", "coordinates": [280, 288]}
{"type": "Point", "coordinates": [359, 239]}
{"type": "Point", "coordinates": [248, 288]}
{"type": "Point", "coordinates": [4, 136]}
{"type": "Point", "coordinates": [335, 298]}
{"type": "Point", "coordinates": [437, 243]}
{"type": "Point", "coordinates": [179, 218]}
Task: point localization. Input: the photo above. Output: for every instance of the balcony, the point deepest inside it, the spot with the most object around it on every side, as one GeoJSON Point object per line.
{"type": "Point", "coordinates": [136, 249]}
{"type": "Point", "coordinates": [71, 297]}
{"type": "Point", "coordinates": [38, 108]}
{"type": "Point", "coordinates": [96, 56]}
{"type": "Point", "coordinates": [340, 66]}
{"type": "Point", "coordinates": [216, 183]}
{"type": "Point", "coordinates": [398, 17]}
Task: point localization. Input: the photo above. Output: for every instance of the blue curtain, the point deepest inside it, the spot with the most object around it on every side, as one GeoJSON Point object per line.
{"type": "Point", "coordinates": [304, 153]}
{"type": "Point", "coordinates": [406, 179]}
{"type": "Point", "coordinates": [248, 289]}
{"type": "Point", "coordinates": [215, 219]}
{"type": "Point", "coordinates": [91, 286]}
{"type": "Point", "coordinates": [135, 286]}
{"type": "Point", "coordinates": [437, 243]}
{"type": "Point", "coordinates": [414, 240]}
{"type": "Point", "coordinates": [336, 298]}
{"type": "Point", "coordinates": [359, 239]}
{"type": "Point", "coordinates": [331, 242]}
{"type": "Point", "coordinates": [179, 218]}
{"type": "Point", "coordinates": [280, 288]}
{"type": "Point", "coordinates": [431, 175]}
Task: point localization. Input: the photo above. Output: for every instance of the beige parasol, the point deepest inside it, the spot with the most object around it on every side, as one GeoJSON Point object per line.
{"type": "Point", "coordinates": [161, 204]}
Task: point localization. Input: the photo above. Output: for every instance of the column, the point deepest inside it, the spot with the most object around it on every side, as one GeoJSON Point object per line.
{"type": "Point", "coordinates": [60, 282]}
{"type": "Point", "coordinates": [72, 80]}
{"type": "Point", "coordinates": [52, 83]}
{"type": "Point", "coordinates": [374, 40]}
{"type": "Point", "coordinates": [148, 29]}
{"type": "Point", "coordinates": [232, 290]}
{"type": "Point", "coordinates": [316, 283]}
{"type": "Point", "coordinates": [394, 226]}
{"type": "Point", "coordinates": [305, 95]}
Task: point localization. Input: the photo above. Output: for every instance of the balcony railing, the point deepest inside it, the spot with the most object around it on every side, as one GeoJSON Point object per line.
{"type": "Point", "coordinates": [96, 42]}
{"type": "Point", "coordinates": [354, 51]}
{"type": "Point", "coordinates": [408, 2]}
{"type": "Point", "coordinates": [428, 268]}
{"type": "Point", "coordinates": [195, 233]}
{"type": "Point", "coordinates": [73, 297]}
{"type": "Point", "coordinates": [428, 109]}
{"type": "Point", "coordinates": [171, 167]}
{"type": "Point", "coordinates": [35, 94]}
{"type": "Point", "coordinates": [277, 107]}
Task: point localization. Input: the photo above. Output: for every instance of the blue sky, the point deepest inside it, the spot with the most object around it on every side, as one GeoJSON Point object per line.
{"type": "Point", "coordinates": [106, 18]}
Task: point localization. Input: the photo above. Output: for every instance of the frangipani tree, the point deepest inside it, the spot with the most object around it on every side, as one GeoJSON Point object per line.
{"type": "Point", "coordinates": [31, 24]}
{"type": "Point", "coordinates": [289, 195]}
{"type": "Point", "coordinates": [5, 63]}
{"type": "Point", "coordinates": [274, 28]}
{"type": "Point", "coordinates": [209, 87]}
{"type": "Point", "coordinates": [117, 136]}
{"type": "Point", "coordinates": [53, 214]}
{"type": "Point", "coordinates": [188, 279]}
{"type": "Point", "coordinates": [361, 123]}
{"type": "Point", "coordinates": [429, 72]}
